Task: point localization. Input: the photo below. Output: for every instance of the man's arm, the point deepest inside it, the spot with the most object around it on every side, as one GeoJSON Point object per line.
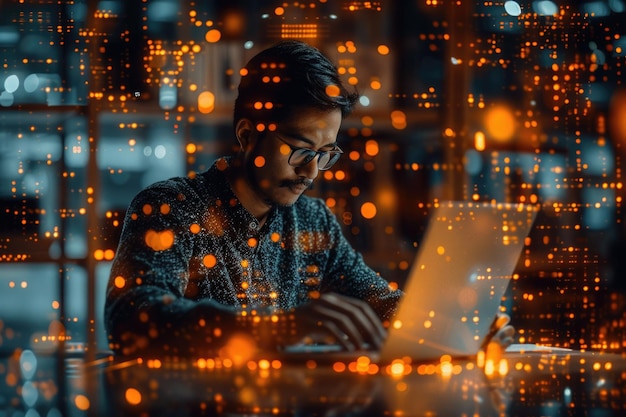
{"type": "Point", "coordinates": [145, 307]}
{"type": "Point", "coordinates": [348, 274]}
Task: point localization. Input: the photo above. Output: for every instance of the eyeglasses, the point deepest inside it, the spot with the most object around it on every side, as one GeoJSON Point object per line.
{"type": "Point", "coordinates": [301, 156]}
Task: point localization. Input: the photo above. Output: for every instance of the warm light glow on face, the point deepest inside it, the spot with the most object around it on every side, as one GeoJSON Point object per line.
{"type": "Point", "coordinates": [284, 149]}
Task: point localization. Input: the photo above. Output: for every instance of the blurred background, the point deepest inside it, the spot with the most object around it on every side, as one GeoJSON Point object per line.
{"type": "Point", "coordinates": [512, 101]}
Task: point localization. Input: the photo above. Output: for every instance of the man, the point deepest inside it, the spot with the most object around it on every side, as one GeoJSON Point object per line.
{"type": "Point", "coordinates": [201, 259]}
{"type": "Point", "coordinates": [238, 251]}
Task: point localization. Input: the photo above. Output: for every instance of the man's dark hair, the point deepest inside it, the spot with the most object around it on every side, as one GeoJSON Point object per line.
{"type": "Point", "coordinates": [287, 76]}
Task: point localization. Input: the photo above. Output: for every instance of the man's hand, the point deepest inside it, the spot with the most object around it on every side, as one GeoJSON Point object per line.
{"type": "Point", "coordinates": [501, 337]}
{"type": "Point", "coordinates": [504, 332]}
{"type": "Point", "coordinates": [334, 318]}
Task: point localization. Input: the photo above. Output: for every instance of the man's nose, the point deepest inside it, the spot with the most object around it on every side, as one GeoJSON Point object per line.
{"type": "Point", "coordinates": [310, 169]}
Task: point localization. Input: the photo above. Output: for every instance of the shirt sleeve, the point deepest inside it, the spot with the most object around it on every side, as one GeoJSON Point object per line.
{"type": "Point", "coordinates": [145, 305]}
{"type": "Point", "coordinates": [348, 274]}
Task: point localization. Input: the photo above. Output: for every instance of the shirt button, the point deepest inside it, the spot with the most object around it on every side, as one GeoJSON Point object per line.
{"type": "Point", "coordinates": [253, 225]}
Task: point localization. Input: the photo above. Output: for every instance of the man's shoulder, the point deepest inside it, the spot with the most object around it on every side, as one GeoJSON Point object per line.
{"type": "Point", "coordinates": [170, 187]}
{"type": "Point", "coordinates": [199, 185]}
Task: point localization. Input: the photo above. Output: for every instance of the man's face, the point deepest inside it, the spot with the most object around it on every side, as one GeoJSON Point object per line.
{"type": "Point", "coordinates": [270, 175]}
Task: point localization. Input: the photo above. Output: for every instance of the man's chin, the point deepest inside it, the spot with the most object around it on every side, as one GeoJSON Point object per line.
{"type": "Point", "coordinates": [284, 201]}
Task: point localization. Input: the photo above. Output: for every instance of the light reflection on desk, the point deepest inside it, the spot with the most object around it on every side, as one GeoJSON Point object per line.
{"type": "Point", "coordinates": [528, 384]}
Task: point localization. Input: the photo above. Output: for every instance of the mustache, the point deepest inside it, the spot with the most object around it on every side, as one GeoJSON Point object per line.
{"type": "Point", "coordinates": [299, 181]}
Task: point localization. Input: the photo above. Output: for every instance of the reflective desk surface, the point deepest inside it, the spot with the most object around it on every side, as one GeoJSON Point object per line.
{"type": "Point", "coordinates": [557, 383]}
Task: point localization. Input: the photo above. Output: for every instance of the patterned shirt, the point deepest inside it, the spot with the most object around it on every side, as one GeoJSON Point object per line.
{"type": "Point", "coordinates": [189, 240]}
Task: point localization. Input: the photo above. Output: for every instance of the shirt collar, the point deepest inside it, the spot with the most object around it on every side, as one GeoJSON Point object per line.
{"type": "Point", "coordinates": [244, 221]}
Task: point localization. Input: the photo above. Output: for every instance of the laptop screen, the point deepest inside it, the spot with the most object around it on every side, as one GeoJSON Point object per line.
{"type": "Point", "coordinates": [455, 286]}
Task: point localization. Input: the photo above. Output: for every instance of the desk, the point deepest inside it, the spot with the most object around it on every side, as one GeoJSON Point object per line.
{"type": "Point", "coordinates": [521, 384]}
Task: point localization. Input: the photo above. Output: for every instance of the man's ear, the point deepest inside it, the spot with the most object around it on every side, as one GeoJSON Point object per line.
{"type": "Point", "coordinates": [244, 131]}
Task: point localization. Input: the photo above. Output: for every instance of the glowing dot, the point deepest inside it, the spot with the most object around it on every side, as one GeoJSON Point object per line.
{"type": "Point", "coordinates": [500, 123]}
{"type": "Point", "coordinates": [279, 11]}
{"type": "Point", "coordinates": [275, 237]}
{"type": "Point", "coordinates": [11, 83]}
{"type": "Point", "coordinates": [371, 148]}
{"type": "Point", "coordinates": [119, 281]}
{"type": "Point", "coordinates": [479, 141]}
{"type": "Point", "coordinates": [375, 84]}
{"type": "Point", "coordinates": [159, 241]}
{"type": "Point", "coordinates": [383, 49]}
{"type": "Point", "coordinates": [194, 228]}
{"type": "Point", "coordinates": [398, 119]}
{"type": "Point", "coordinates": [147, 209]}
{"type": "Point", "coordinates": [512, 8]}
{"type": "Point", "coordinates": [332, 90]}
{"type": "Point", "coordinates": [206, 102]}
{"type": "Point", "coordinates": [252, 242]}
{"type": "Point", "coordinates": [209, 260]}
{"type": "Point", "coordinates": [213, 35]}
{"type": "Point", "coordinates": [284, 149]}
{"type": "Point", "coordinates": [81, 402]}
{"type": "Point", "coordinates": [133, 397]}
{"type": "Point", "coordinates": [339, 367]}
{"type": "Point", "coordinates": [368, 210]}
{"type": "Point", "coordinates": [441, 250]}
{"type": "Point", "coordinates": [259, 161]}
{"type": "Point", "coordinates": [165, 208]}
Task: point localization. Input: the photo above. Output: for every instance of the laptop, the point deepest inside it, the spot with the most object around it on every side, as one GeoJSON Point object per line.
{"type": "Point", "coordinates": [455, 285]}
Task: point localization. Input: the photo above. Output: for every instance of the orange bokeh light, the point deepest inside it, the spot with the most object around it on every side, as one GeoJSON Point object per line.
{"type": "Point", "coordinates": [500, 123]}
{"type": "Point", "coordinates": [213, 36]}
{"type": "Point", "coordinates": [368, 210]}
